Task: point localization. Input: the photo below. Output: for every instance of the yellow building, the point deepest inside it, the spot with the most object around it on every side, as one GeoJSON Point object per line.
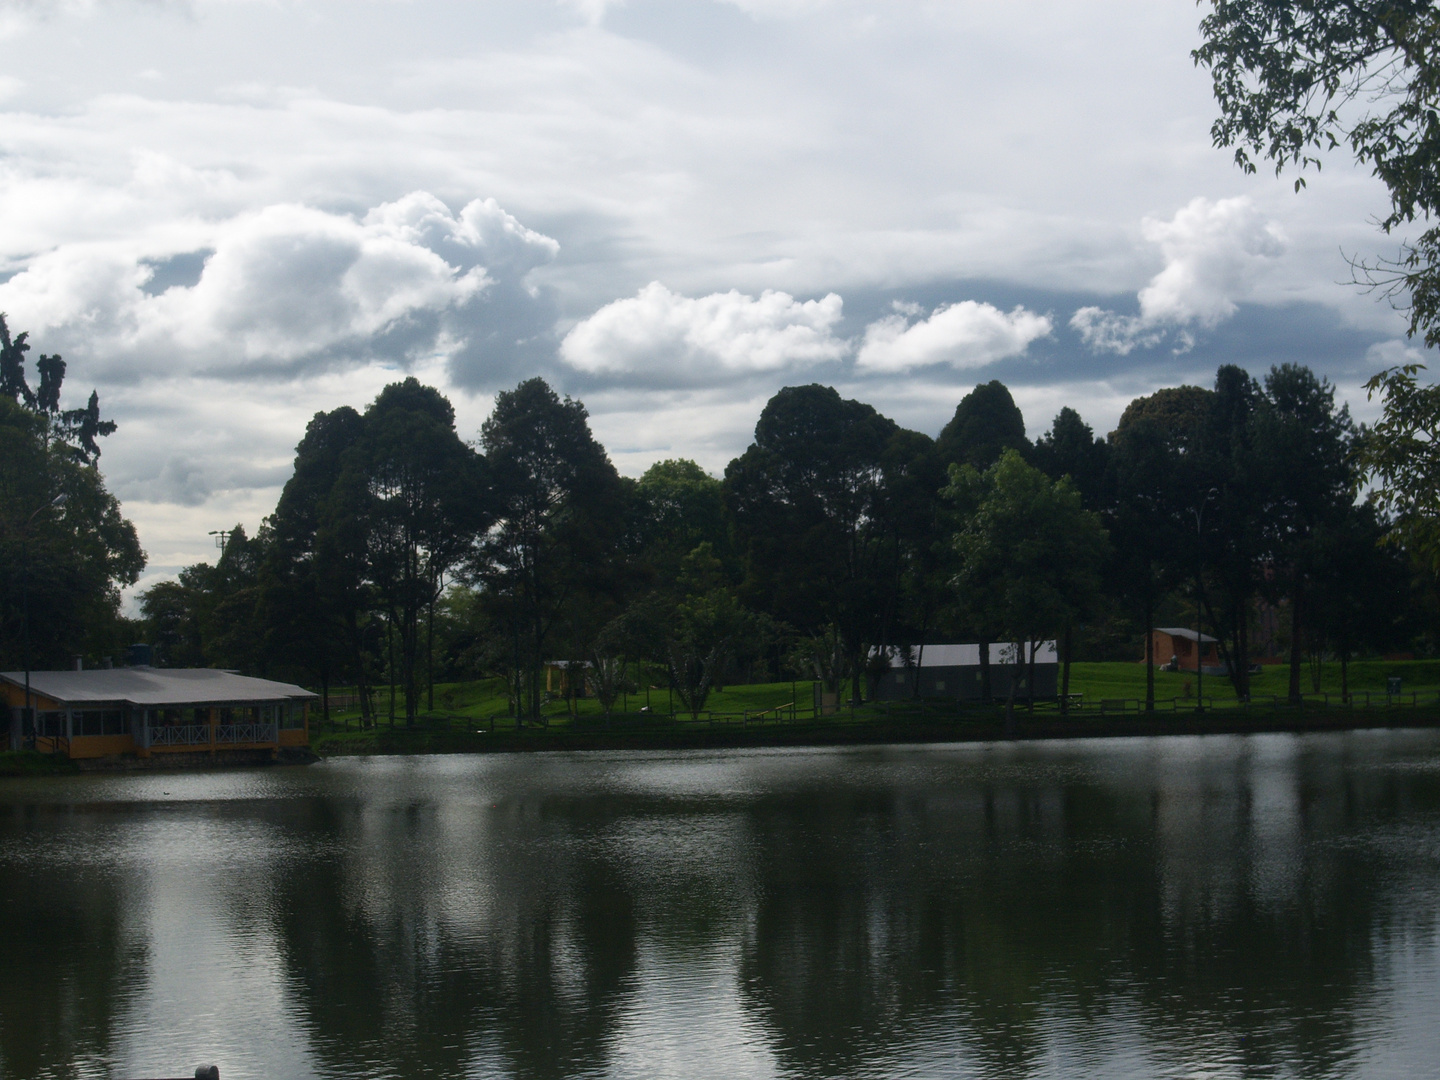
{"type": "Point", "coordinates": [142, 711]}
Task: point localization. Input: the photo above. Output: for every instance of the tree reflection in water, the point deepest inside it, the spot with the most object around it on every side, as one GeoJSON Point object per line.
{"type": "Point", "coordinates": [1144, 907]}
{"type": "Point", "coordinates": [66, 957]}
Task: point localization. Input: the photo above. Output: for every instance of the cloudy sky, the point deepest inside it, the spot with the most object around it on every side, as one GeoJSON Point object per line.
{"type": "Point", "coordinates": [229, 214]}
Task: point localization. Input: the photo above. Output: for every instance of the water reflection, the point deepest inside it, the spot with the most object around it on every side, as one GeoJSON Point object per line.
{"type": "Point", "coordinates": [1229, 907]}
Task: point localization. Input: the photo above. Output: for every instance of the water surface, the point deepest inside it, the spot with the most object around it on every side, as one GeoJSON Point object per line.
{"type": "Point", "coordinates": [1186, 907]}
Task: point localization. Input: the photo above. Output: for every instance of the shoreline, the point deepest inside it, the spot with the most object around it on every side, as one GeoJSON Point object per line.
{"type": "Point", "coordinates": [422, 741]}
{"type": "Point", "coordinates": [402, 741]}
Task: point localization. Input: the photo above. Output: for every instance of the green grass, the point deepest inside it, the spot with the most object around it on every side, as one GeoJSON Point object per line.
{"type": "Point", "coordinates": [30, 763]}
{"type": "Point", "coordinates": [486, 698]}
{"type": "Point", "coordinates": [1121, 680]}
{"type": "Point", "coordinates": [474, 714]}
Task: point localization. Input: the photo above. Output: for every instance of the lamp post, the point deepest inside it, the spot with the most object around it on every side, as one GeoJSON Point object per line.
{"type": "Point", "coordinates": [1200, 600]}
{"type": "Point", "coordinates": [28, 714]}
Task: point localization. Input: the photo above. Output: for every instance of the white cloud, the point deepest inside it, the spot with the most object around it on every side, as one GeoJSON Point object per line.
{"type": "Point", "coordinates": [1213, 253]}
{"type": "Point", "coordinates": [1395, 353]}
{"type": "Point", "coordinates": [1109, 331]}
{"type": "Point", "coordinates": [963, 335]}
{"type": "Point", "coordinates": [286, 286]}
{"type": "Point", "coordinates": [808, 146]}
{"type": "Point", "coordinates": [667, 337]}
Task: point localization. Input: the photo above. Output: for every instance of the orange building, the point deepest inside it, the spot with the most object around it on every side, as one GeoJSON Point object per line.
{"type": "Point", "coordinates": [143, 712]}
{"type": "Point", "coordinates": [1175, 648]}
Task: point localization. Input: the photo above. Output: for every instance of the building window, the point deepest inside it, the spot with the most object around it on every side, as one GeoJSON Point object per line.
{"type": "Point", "coordinates": [99, 722]}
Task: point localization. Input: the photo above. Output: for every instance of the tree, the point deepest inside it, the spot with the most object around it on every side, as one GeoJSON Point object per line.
{"type": "Point", "coordinates": [1296, 78]}
{"type": "Point", "coordinates": [813, 500]}
{"type": "Point", "coordinates": [560, 515]}
{"type": "Point", "coordinates": [1032, 548]}
{"type": "Point", "coordinates": [680, 506]}
{"type": "Point", "coordinates": [66, 558]}
{"type": "Point", "coordinates": [986, 423]}
{"type": "Point", "coordinates": [209, 616]}
{"type": "Point", "coordinates": [1226, 485]}
{"type": "Point", "coordinates": [1302, 450]}
{"type": "Point", "coordinates": [314, 592]}
{"type": "Point", "coordinates": [172, 624]}
{"type": "Point", "coordinates": [702, 626]}
{"type": "Point", "coordinates": [1361, 597]}
{"type": "Point", "coordinates": [426, 503]}
{"type": "Point", "coordinates": [1071, 449]}
{"type": "Point", "coordinates": [1142, 510]}
{"type": "Point", "coordinates": [1400, 455]}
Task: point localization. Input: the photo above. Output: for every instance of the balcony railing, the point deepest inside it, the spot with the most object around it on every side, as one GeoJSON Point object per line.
{"type": "Point", "coordinates": [180, 735]}
{"type": "Point", "coordinates": [199, 734]}
{"type": "Point", "coordinates": [246, 733]}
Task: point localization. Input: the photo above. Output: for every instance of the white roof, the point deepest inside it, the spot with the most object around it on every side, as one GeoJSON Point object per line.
{"type": "Point", "coordinates": [969, 655]}
{"type": "Point", "coordinates": [1181, 632]}
{"type": "Point", "coordinates": [156, 686]}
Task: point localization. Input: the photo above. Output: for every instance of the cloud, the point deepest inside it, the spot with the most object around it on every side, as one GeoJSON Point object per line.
{"type": "Point", "coordinates": [1213, 252]}
{"type": "Point", "coordinates": [284, 288]}
{"type": "Point", "coordinates": [963, 335]}
{"type": "Point", "coordinates": [592, 11]}
{"type": "Point", "coordinates": [1109, 331]}
{"type": "Point", "coordinates": [1394, 353]}
{"type": "Point", "coordinates": [667, 337]}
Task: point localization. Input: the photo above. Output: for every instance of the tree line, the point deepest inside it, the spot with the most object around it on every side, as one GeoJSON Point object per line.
{"type": "Point", "coordinates": [400, 554]}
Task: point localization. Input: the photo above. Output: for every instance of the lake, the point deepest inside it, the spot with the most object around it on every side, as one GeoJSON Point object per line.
{"type": "Point", "coordinates": [1261, 906]}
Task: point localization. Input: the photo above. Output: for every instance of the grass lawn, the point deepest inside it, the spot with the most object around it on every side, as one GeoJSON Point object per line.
{"type": "Point", "coordinates": [1124, 680]}
{"type": "Point", "coordinates": [465, 711]}
{"type": "Point", "coordinates": [487, 697]}
{"type": "Point", "coordinates": [30, 763]}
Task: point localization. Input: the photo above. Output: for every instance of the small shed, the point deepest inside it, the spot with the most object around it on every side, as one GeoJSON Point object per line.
{"type": "Point", "coordinates": [948, 670]}
{"type": "Point", "coordinates": [1176, 648]}
{"type": "Point", "coordinates": [564, 678]}
{"type": "Point", "coordinates": [143, 711]}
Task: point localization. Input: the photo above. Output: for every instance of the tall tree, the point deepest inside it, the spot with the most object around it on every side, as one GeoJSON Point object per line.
{"type": "Point", "coordinates": [427, 503]}
{"type": "Point", "coordinates": [315, 602]}
{"type": "Point", "coordinates": [1224, 480]}
{"type": "Point", "coordinates": [811, 503]}
{"type": "Point", "coordinates": [1145, 493]}
{"type": "Point", "coordinates": [1302, 447]}
{"type": "Point", "coordinates": [1360, 595]}
{"type": "Point", "coordinates": [65, 548]}
{"type": "Point", "coordinates": [560, 517]}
